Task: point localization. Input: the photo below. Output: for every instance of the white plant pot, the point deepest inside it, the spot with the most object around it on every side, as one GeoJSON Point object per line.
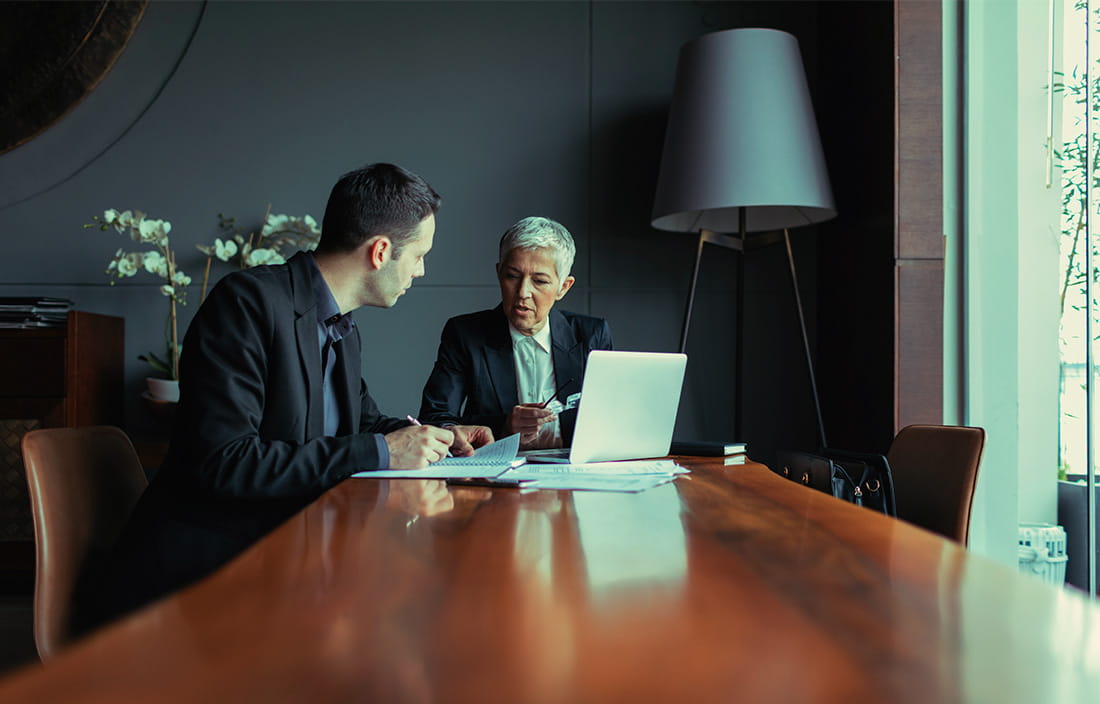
{"type": "Point", "coordinates": [163, 389]}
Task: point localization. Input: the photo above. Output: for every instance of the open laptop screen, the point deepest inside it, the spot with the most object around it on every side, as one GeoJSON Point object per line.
{"type": "Point", "coordinates": [627, 409]}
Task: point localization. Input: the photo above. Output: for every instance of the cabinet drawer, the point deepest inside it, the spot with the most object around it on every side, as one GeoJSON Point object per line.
{"type": "Point", "coordinates": [32, 367]}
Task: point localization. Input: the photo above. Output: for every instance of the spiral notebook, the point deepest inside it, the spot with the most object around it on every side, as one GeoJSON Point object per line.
{"type": "Point", "coordinates": [487, 461]}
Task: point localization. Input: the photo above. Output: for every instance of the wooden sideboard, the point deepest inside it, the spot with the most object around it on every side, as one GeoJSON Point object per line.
{"type": "Point", "coordinates": [49, 378]}
{"type": "Point", "coordinates": [64, 376]}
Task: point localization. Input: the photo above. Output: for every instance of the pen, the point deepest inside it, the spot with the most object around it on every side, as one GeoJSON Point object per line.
{"type": "Point", "coordinates": [414, 421]}
{"type": "Point", "coordinates": [560, 389]}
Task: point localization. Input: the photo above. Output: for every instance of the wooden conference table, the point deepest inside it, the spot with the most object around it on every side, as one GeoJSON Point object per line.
{"type": "Point", "coordinates": [730, 584]}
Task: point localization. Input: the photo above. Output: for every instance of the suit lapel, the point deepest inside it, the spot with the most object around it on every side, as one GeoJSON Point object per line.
{"type": "Point", "coordinates": [501, 363]}
{"type": "Point", "coordinates": [568, 363]}
{"type": "Point", "coordinates": [309, 352]}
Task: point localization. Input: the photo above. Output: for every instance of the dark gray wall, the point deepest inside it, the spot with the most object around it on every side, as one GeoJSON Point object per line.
{"type": "Point", "coordinates": [507, 108]}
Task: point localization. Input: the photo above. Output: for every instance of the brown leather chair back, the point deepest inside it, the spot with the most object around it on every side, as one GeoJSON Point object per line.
{"type": "Point", "coordinates": [935, 469]}
{"type": "Point", "coordinates": [83, 485]}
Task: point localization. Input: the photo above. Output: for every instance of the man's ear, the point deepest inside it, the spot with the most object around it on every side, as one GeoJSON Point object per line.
{"type": "Point", "coordinates": [566, 284]}
{"type": "Point", "coordinates": [379, 251]}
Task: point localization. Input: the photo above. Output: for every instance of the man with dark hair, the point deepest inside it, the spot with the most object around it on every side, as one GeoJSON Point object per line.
{"type": "Point", "coordinates": [273, 410]}
{"type": "Point", "coordinates": [376, 198]}
{"type": "Point", "coordinates": [271, 399]}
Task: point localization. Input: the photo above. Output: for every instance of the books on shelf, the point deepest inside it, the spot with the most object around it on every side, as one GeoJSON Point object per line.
{"type": "Point", "coordinates": [33, 312]}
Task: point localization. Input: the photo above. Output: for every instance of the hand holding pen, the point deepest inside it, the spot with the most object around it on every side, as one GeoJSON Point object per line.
{"type": "Point", "coordinates": [417, 446]}
{"type": "Point", "coordinates": [414, 421]}
{"type": "Point", "coordinates": [556, 393]}
{"type": "Point", "coordinates": [527, 419]}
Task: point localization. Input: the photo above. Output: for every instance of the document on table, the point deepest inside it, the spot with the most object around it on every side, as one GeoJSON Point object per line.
{"type": "Point", "coordinates": [597, 482]}
{"type": "Point", "coordinates": [631, 476]}
{"type": "Point", "coordinates": [620, 469]}
{"type": "Point", "coordinates": [487, 461]}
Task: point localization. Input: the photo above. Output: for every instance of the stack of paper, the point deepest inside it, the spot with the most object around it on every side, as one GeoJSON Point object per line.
{"type": "Point", "coordinates": [635, 475]}
{"type": "Point", "coordinates": [41, 312]}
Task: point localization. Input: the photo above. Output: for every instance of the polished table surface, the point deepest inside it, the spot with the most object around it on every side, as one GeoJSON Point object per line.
{"type": "Point", "coordinates": [730, 584]}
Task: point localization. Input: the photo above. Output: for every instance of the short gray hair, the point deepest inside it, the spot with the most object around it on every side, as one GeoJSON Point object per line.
{"type": "Point", "coordinates": [535, 232]}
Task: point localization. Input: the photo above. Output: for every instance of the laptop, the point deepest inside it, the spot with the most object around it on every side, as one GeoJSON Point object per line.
{"type": "Point", "coordinates": [627, 408]}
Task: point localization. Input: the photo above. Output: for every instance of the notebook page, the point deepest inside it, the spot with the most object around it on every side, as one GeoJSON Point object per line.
{"type": "Point", "coordinates": [502, 452]}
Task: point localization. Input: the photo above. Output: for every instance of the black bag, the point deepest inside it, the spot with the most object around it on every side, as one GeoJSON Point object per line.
{"type": "Point", "coordinates": [860, 478]}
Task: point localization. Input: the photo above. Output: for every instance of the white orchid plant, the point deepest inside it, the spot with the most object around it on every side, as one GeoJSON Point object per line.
{"type": "Point", "coordinates": [159, 260]}
{"type": "Point", "coordinates": [278, 237]}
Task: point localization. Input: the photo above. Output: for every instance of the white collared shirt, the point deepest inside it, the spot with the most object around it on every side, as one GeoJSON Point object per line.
{"type": "Point", "coordinates": [535, 377]}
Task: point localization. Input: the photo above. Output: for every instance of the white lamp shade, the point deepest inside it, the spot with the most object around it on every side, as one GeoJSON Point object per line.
{"type": "Point", "coordinates": [741, 134]}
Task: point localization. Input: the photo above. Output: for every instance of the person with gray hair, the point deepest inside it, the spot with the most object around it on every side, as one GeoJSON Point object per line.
{"type": "Point", "coordinates": [536, 232]}
{"type": "Point", "coordinates": [518, 367]}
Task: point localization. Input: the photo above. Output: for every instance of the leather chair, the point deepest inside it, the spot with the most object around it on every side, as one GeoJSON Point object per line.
{"type": "Point", "coordinates": [84, 483]}
{"type": "Point", "coordinates": [935, 469]}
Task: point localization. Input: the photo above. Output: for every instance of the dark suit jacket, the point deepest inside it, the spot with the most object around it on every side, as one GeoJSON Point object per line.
{"type": "Point", "coordinates": [474, 378]}
{"type": "Point", "coordinates": [247, 450]}
{"type": "Point", "coordinates": [250, 418]}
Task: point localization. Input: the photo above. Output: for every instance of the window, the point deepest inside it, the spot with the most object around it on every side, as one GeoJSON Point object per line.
{"type": "Point", "coordinates": [1075, 153]}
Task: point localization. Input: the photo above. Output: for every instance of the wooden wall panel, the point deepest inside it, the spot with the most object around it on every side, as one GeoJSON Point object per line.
{"type": "Point", "coordinates": [918, 99]}
{"type": "Point", "coordinates": [918, 188]}
{"type": "Point", "coordinates": [919, 342]}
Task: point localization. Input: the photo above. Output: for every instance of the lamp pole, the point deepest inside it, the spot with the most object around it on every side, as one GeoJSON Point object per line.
{"type": "Point", "coordinates": [738, 343]}
{"type": "Point", "coordinates": [805, 340]}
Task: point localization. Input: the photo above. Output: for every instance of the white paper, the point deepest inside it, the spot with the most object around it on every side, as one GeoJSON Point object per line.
{"type": "Point", "coordinates": [628, 468]}
{"type": "Point", "coordinates": [502, 452]}
{"type": "Point", "coordinates": [631, 476]}
{"type": "Point", "coordinates": [600, 482]}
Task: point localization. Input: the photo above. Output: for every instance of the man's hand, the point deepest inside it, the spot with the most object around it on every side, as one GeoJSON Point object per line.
{"type": "Point", "coordinates": [420, 497]}
{"type": "Point", "coordinates": [417, 446]}
{"type": "Point", "coordinates": [527, 419]}
{"type": "Point", "coordinates": [469, 437]}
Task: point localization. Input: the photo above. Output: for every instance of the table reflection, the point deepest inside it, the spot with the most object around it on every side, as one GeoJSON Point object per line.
{"type": "Point", "coordinates": [627, 538]}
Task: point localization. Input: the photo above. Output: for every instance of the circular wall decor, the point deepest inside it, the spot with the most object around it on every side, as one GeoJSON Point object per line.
{"type": "Point", "coordinates": [54, 54]}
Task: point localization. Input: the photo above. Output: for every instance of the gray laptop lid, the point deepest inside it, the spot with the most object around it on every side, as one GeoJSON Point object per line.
{"type": "Point", "coordinates": [628, 405]}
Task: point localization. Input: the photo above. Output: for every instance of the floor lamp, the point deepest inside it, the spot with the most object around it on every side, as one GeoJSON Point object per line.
{"type": "Point", "coordinates": [742, 154]}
